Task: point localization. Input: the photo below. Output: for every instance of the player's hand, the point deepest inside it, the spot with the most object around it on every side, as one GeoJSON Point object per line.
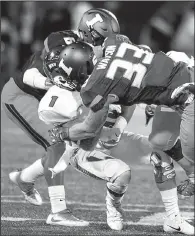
{"type": "Point", "coordinates": [110, 137]}
{"type": "Point", "coordinates": [112, 98]}
{"type": "Point", "coordinates": [187, 88]}
{"type": "Point", "coordinates": [149, 112]}
{"type": "Point", "coordinates": [59, 134]}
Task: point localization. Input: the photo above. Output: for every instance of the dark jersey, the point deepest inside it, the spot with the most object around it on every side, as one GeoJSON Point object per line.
{"type": "Point", "coordinates": [59, 38]}
{"type": "Point", "coordinates": [135, 75]}
{"type": "Point", "coordinates": [34, 61]}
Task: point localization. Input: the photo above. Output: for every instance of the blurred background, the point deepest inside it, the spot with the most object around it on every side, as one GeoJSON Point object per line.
{"type": "Point", "coordinates": [24, 26]}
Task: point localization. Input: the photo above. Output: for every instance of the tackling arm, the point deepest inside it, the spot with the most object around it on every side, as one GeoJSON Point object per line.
{"type": "Point", "coordinates": [125, 117]}
{"type": "Point", "coordinates": [89, 128]}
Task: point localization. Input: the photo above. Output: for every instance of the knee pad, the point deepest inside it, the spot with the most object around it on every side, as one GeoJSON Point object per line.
{"type": "Point", "coordinates": [176, 151]}
{"type": "Point", "coordinates": [161, 174]}
{"type": "Point", "coordinates": [120, 185]}
{"type": "Point", "coordinates": [114, 168]}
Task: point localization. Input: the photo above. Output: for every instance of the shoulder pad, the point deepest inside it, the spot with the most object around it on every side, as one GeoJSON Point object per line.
{"type": "Point", "coordinates": [145, 47]}
{"type": "Point", "coordinates": [115, 39]}
{"type": "Point", "coordinates": [123, 38]}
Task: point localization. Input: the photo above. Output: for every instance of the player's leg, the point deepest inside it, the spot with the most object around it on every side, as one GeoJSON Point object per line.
{"type": "Point", "coordinates": [59, 215]}
{"type": "Point", "coordinates": [138, 145]}
{"type": "Point", "coordinates": [176, 151]}
{"type": "Point", "coordinates": [22, 109]}
{"type": "Point", "coordinates": [101, 166]}
{"type": "Point", "coordinates": [186, 189]}
{"type": "Point", "coordinates": [162, 137]}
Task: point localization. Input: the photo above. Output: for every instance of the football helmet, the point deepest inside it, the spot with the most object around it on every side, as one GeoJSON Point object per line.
{"type": "Point", "coordinates": [51, 61]}
{"type": "Point", "coordinates": [96, 25]}
{"type": "Point", "coordinates": [70, 66]}
{"type": "Point", "coordinates": [59, 38]}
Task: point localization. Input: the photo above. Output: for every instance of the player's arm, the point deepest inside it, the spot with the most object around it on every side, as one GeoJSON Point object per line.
{"type": "Point", "coordinates": [35, 79]}
{"type": "Point", "coordinates": [89, 128]}
{"type": "Point", "coordinates": [111, 136]}
{"type": "Point", "coordinates": [125, 117]}
{"type": "Point", "coordinates": [33, 74]}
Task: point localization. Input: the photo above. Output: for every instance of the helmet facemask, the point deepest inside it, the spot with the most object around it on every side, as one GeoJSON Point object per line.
{"type": "Point", "coordinates": [63, 83]}
{"type": "Point", "coordinates": [93, 37]}
{"type": "Point", "coordinates": [81, 74]}
{"type": "Point", "coordinates": [96, 25]}
{"type": "Point", "coordinates": [71, 66]}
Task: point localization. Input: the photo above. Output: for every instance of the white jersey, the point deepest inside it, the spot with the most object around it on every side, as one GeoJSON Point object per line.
{"type": "Point", "coordinates": [60, 106]}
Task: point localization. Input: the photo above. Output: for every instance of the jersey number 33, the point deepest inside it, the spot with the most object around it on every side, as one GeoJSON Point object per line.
{"type": "Point", "coordinates": [131, 70]}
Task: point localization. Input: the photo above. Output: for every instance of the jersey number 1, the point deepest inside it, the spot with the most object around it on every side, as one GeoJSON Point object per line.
{"type": "Point", "coordinates": [53, 101]}
{"type": "Point", "coordinates": [139, 69]}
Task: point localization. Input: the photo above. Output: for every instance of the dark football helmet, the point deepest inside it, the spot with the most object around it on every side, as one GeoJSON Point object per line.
{"type": "Point", "coordinates": [51, 61]}
{"type": "Point", "coordinates": [70, 66]}
{"type": "Point", "coordinates": [96, 25]}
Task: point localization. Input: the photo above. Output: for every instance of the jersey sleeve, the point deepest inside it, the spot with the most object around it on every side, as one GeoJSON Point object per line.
{"type": "Point", "coordinates": [116, 39]}
{"type": "Point", "coordinates": [144, 47]}
{"type": "Point", "coordinates": [99, 85]}
{"type": "Point", "coordinates": [93, 92]}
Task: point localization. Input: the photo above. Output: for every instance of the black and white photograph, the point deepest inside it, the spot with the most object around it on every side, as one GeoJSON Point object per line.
{"type": "Point", "coordinates": [97, 118]}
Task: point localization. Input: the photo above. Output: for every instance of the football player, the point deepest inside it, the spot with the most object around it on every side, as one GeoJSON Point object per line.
{"type": "Point", "coordinates": [164, 134]}
{"type": "Point", "coordinates": [62, 104]}
{"type": "Point", "coordinates": [25, 179]}
{"type": "Point", "coordinates": [20, 98]}
{"type": "Point", "coordinates": [133, 75]}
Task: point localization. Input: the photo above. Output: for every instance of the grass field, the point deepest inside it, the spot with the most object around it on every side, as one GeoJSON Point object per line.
{"type": "Point", "coordinates": [144, 211]}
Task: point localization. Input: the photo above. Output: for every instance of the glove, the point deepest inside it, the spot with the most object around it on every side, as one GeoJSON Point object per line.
{"type": "Point", "coordinates": [59, 134]}
{"type": "Point", "coordinates": [110, 137]}
{"type": "Point", "coordinates": [149, 112]}
{"type": "Point", "coordinates": [187, 88]}
{"type": "Point", "coordinates": [111, 118]}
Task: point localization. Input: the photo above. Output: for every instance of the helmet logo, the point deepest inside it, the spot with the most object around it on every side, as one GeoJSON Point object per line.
{"type": "Point", "coordinates": [96, 19]}
{"type": "Point", "coordinates": [65, 68]}
{"type": "Point", "coordinates": [51, 65]}
{"type": "Point", "coordinates": [69, 40]}
{"type": "Point", "coordinates": [94, 60]}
